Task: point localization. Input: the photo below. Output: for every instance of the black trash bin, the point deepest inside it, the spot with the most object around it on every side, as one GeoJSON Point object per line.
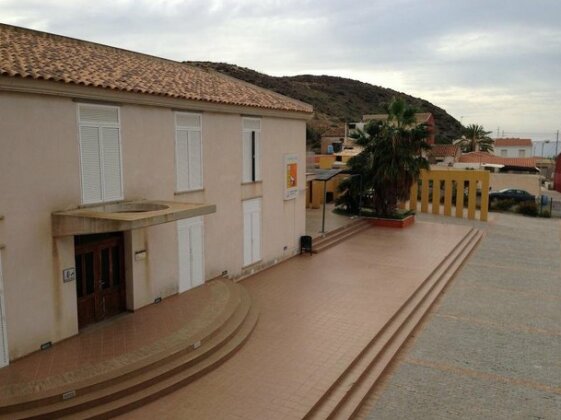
{"type": "Point", "coordinates": [306, 244]}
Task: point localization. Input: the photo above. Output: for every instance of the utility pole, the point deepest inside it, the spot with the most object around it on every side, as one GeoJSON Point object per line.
{"type": "Point", "coordinates": [544, 142]}
{"type": "Point", "coordinates": [556, 143]}
{"type": "Point", "coordinates": [498, 131]}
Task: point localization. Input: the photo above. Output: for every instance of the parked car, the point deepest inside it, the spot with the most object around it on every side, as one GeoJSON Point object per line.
{"type": "Point", "coordinates": [512, 194]}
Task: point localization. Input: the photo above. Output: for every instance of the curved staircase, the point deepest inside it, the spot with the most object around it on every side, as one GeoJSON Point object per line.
{"type": "Point", "coordinates": [149, 372]}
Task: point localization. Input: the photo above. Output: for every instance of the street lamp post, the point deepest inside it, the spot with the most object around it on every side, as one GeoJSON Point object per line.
{"type": "Point", "coordinates": [543, 144]}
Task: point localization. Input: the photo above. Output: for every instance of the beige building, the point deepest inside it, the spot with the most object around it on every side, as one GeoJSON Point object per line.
{"type": "Point", "coordinates": [127, 178]}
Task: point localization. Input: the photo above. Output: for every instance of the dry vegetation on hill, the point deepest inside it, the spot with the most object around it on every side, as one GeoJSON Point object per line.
{"type": "Point", "coordinates": [336, 99]}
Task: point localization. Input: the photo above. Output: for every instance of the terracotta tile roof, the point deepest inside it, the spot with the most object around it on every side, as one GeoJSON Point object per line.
{"type": "Point", "coordinates": [484, 157]}
{"type": "Point", "coordinates": [38, 55]}
{"type": "Point", "coordinates": [506, 142]}
{"type": "Point", "coordinates": [443, 150]}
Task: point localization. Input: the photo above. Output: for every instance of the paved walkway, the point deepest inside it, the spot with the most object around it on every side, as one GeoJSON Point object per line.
{"type": "Point", "coordinates": [117, 344]}
{"type": "Point", "coordinates": [492, 347]}
{"type": "Point", "coordinates": [317, 313]}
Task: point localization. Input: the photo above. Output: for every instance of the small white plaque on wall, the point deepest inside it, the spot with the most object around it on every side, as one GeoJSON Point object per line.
{"type": "Point", "coordinates": [69, 274]}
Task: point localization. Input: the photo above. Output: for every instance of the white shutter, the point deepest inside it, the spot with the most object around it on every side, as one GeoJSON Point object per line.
{"type": "Point", "coordinates": [188, 151]}
{"type": "Point", "coordinates": [195, 161]}
{"type": "Point", "coordinates": [100, 153]}
{"type": "Point", "coordinates": [182, 159]}
{"type": "Point", "coordinates": [191, 253]}
{"type": "Point", "coordinates": [99, 114]}
{"type": "Point", "coordinates": [252, 231]}
{"type": "Point", "coordinates": [257, 156]}
{"type": "Point", "coordinates": [247, 247]}
{"type": "Point", "coordinates": [256, 235]}
{"type": "Point", "coordinates": [246, 158]}
{"type": "Point", "coordinates": [90, 165]}
{"type": "Point", "coordinates": [184, 259]}
{"type": "Point", "coordinates": [197, 261]}
{"type": "Point", "coordinates": [111, 149]}
{"type": "Point", "coordinates": [4, 358]}
{"type": "Point", "coordinates": [251, 124]}
{"type": "Point", "coordinates": [251, 127]}
{"type": "Point", "coordinates": [186, 120]}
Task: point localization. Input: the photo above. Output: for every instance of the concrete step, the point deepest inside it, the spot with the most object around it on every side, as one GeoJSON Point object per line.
{"type": "Point", "coordinates": [339, 393]}
{"type": "Point", "coordinates": [351, 223]}
{"type": "Point", "coordinates": [370, 377]}
{"type": "Point", "coordinates": [148, 394]}
{"type": "Point", "coordinates": [339, 236]}
{"type": "Point", "coordinates": [326, 236]}
{"type": "Point", "coordinates": [157, 368]}
{"type": "Point", "coordinates": [350, 406]}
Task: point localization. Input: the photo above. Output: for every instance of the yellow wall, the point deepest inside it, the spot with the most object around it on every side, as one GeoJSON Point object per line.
{"type": "Point", "coordinates": [443, 182]}
{"type": "Point", "coordinates": [326, 161]}
{"type": "Point", "coordinates": [332, 186]}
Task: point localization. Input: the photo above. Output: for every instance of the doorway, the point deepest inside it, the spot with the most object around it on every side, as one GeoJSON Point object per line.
{"type": "Point", "coordinates": [100, 279]}
{"type": "Point", "coordinates": [191, 255]}
{"type": "Point", "coordinates": [251, 231]}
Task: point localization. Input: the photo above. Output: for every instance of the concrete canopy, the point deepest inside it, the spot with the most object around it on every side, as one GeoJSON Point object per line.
{"type": "Point", "coordinates": [124, 216]}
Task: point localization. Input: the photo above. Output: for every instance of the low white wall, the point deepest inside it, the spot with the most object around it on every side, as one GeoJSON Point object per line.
{"type": "Point", "coordinates": [527, 182]}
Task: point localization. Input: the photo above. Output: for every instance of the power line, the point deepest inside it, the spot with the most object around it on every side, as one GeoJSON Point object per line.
{"type": "Point", "coordinates": [530, 132]}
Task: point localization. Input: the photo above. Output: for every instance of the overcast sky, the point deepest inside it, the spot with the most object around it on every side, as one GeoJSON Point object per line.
{"type": "Point", "coordinates": [496, 63]}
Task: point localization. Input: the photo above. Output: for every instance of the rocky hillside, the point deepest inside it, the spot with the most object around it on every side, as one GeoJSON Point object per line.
{"type": "Point", "coordinates": [337, 100]}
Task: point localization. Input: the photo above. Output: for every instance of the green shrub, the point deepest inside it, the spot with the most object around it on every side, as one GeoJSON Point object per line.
{"type": "Point", "coordinates": [528, 208]}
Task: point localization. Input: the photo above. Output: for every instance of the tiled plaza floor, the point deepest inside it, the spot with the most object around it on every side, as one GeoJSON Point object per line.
{"type": "Point", "coordinates": [317, 313]}
{"type": "Point", "coordinates": [110, 345]}
{"type": "Point", "coordinates": [491, 349]}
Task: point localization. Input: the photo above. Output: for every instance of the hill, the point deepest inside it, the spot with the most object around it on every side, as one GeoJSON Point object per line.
{"type": "Point", "coordinates": [336, 99]}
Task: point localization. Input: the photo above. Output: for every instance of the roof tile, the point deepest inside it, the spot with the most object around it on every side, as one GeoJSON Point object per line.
{"type": "Point", "coordinates": [443, 150]}
{"type": "Point", "coordinates": [38, 55]}
{"type": "Point", "coordinates": [484, 157]}
{"type": "Point", "coordinates": [513, 142]}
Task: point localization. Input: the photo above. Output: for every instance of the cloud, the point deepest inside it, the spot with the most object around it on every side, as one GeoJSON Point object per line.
{"type": "Point", "coordinates": [492, 63]}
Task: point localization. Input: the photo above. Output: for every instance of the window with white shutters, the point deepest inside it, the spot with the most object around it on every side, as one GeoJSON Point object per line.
{"type": "Point", "coordinates": [100, 153]}
{"type": "Point", "coordinates": [188, 151]}
{"type": "Point", "coordinates": [4, 359]}
{"type": "Point", "coordinates": [251, 149]}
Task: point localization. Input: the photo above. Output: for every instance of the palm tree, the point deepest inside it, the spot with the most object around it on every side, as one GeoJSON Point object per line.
{"type": "Point", "coordinates": [475, 139]}
{"type": "Point", "coordinates": [392, 156]}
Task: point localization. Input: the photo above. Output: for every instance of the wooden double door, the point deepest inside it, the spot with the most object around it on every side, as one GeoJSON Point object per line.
{"type": "Point", "coordinates": [100, 277]}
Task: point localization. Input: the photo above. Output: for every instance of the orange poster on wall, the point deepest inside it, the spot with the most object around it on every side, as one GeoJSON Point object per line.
{"type": "Point", "coordinates": [291, 176]}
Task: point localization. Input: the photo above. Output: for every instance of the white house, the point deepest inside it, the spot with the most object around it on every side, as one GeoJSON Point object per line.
{"type": "Point", "coordinates": [513, 147]}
